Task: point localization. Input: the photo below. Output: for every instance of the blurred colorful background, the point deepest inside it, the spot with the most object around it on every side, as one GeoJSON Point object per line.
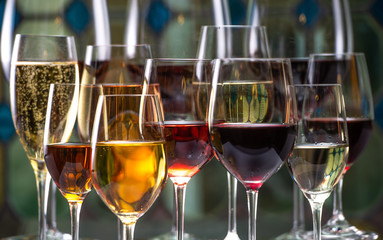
{"type": "Point", "coordinates": [206, 197]}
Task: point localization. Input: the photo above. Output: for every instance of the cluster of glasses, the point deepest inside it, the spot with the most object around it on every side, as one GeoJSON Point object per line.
{"type": "Point", "coordinates": [135, 121]}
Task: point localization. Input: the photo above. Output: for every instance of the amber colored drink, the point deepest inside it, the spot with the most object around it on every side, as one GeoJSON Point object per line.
{"type": "Point", "coordinates": [128, 176]}
{"type": "Point", "coordinates": [69, 166]}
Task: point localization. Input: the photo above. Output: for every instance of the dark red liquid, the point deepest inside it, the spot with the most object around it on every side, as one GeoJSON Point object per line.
{"type": "Point", "coordinates": [359, 132]}
{"type": "Point", "coordinates": [69, 166]}
{"type": "Point", "coordinates": [188, 148]}
{"type": "Point", "coordinates": [253, 152]}
{"type": "Point", "coordinates": [299, 69]}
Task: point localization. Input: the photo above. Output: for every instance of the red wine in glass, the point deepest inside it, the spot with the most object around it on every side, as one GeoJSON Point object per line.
{"type": "Point", "coordinates": [253, 152]}
{"type": "Point", "coordinates": [188, 148]}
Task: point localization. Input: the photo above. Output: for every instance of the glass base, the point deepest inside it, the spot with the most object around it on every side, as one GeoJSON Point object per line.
{"type": "Point", "coordinates": [51, 235]}
{"type": "Point", "coordinates": [292, 235]}
{"type": "Point", "coordinates": [232, 236]}
{"type": "Point", "coordinates": [346, 231]}
{"type": "Point", "coordinates": [172, 235]}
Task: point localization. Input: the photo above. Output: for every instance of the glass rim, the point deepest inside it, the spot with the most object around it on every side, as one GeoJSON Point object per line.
{"type": "Point", "coordinates": [117, 45]}
{"type": "Point", "coordinates": [130, 95]}
{"type": "Point", "coordinates": [238, 59]}
{"type": "Point", "coordinates": [233, 26]}
{"type": "Point", "coordinates": [316, 85]}
{"type": "Point", "coordinates": [329, 54]}
{"type": "Point", "coordinates": [19, 35]}
{"type": "Point", "coordinates": [179, 59]}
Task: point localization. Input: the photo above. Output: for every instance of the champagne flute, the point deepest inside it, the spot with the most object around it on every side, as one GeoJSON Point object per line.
{"type": "Point", "coordinates": [184, 88]}
{"type": "Point", "coordinates": [37, 61]}
{"type": "Point", "coordinates": [320, 152]}
{"type": "Point", "coordinates": [67, 150]}
{"type": "Point", "coordinates": [86, 20]}
{"type": "Point", "coordinates": [128, 166]}
{"type": "Point", "coordinates": [350, 70]}
{"type": "Point", "coordinates": [224, 41]}
{"type": "Point", "coordinates": [252, 121]}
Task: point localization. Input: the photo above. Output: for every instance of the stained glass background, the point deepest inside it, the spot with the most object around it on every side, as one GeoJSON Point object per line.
{"type": "Point", "coordinates": [206, 200]}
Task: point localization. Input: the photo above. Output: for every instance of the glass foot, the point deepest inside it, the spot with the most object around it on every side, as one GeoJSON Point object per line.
{"type": "Point", "coordinates": [172, 235]}
{"type": "Point", "coordinates": [292, 235]}
{"type": "Point", "coordinates": [346, 231]}
{"type": "Point", "coordinates": [51, 235]}
{"type": "Point", "coordinates": [231, 236]}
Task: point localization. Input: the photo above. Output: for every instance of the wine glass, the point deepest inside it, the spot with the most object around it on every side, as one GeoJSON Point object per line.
{"type": "Point", "coordinates": [115, 64]}
{"type": "Point", "coordinates": [252, 121]}
{"type": "Point", "coordinates": [86, 20]}
{"type": "Point", "coordinates": [67, 150]}
{"type": "Point", "coordinates": [295, 30]}
{"type": "Point", "coordinates": [320, 152]}
{"type": "Point", "coordinates": [37, 61]}
{"type": "Point", "coordinates": [120, 70]}
{"type": "Point", "coordinates": [184, 88]}
{"type": "Point", "coordinates": [350, 70]}
{"type": "Point", "coordinates": [129, 167]}
{"type": "Point", "coordinates": [162, 23]}
{"type": "Point", "coordinates": [226, 41]}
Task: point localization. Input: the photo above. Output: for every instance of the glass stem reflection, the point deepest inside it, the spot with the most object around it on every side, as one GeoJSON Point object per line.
{"type": "Point", "coordinates": [316, 208]}
{"type": "Point", "coordinates": [179, 191]}
{"type": "Point", "coordinates": [129, 231]}
{"type": "Point", "coordinates": [75, 208]}
{"type": "Point", "coordinates": [252, 202]}
{"type": "Point", "coordinates": [299, 216]}
{"type": "Point", "coordinates": [232, 191]}
{"type": "Point", "coordinates": [337, 212]}
{"type": "Point", "coordinates": [42, 180]}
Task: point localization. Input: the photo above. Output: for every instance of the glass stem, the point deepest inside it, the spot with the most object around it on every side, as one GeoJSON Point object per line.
{"type": "Point", "coordinates": [179, 191]}
{"type": "Point", "coordinates": [128, 233]}
{"type": "Point", "coordinates": [298, 214]}
{"type": "Point", "coordinates": [75, 208]}
{"type": "Point", "coordinates": [316, 209]}
{"type": "Point", "coordinates": [120, 229]}
{"type": "Point", "coordinates": [252, 202]}
{"type": "Point", "coordinates": [51, 208]}
{"type": "Point", "coordinates": [42, 180]}
{"type": "Point", "coordinates": [337, 212]}
{"type": "Point", "coordinates": [232, 204]}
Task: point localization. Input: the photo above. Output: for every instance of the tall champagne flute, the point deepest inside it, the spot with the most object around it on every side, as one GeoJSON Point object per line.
{"type": "Point", "coordinates": [128, 166]}
{"type": "Point", "coordinates": [350, 70]}
{"type": "Point", "coordinates": [224, 41]}
{"type": "Point", "coordinates": [67, 150]}
{"type": "Point", "coordinates": [320, 152]}
{"type": "Point", "coordinates": [252, 121]}
{"type": "Point", "coordinates": [37, 61]}
{"type": "Point", "coordinates": [86, 20]}
{"type": "Point", "coordinates": [184, 88]}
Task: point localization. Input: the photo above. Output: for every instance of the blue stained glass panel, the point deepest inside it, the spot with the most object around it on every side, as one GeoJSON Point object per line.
{"type": "Point", "coordinates": [6, 124]}
{"type": "Point", "coordinates": [309, 10]}
{"type": "Point", "coordinates": [158, 16]}
{"type": "Point", "coordinates": [77, 15]}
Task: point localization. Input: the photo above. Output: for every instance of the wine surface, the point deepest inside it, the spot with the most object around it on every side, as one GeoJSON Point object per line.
{"type": "Point", "coordinates": [29, 92]}
{"type": "Point", "coordinates": [253, 152]}
{"type": "Point", "coordinates": [128, 176]}
{"type": "Point", "coordinates": [359, 132]}
{"type": "Point", "coordinates": [316, 168]}
{"type": "Point", "coordinates": [188, 149]}
{"type": "Point", "coordinates": [69, 166]}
